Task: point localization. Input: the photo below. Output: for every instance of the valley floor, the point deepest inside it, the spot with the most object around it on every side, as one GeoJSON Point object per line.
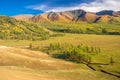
{"type": "Point", "coordinates": [24, 64]}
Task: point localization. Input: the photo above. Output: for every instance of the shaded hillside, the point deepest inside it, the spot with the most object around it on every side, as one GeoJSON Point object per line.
{"type": "Point", "coordinates": [10, 28]}
{"type": "Point", "coordinates": [119, 12]}
{"type": "Point", "coordinates": [108, 12]}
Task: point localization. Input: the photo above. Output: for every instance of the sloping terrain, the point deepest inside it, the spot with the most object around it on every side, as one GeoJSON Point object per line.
{"type": "Point", "coordinates": [11, 28]}
{"type": "Point", "coordinates": [23, 64]}
{"type": "Point", "coordinates": [12, 72]}
{"type": "Point", "coordinates": [30, 59]}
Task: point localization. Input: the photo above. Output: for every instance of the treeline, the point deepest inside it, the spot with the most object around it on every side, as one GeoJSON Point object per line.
{"type": "Point", "coordinates": [78, 53]}
{"type": "Point", "coordinates": [84, 27]}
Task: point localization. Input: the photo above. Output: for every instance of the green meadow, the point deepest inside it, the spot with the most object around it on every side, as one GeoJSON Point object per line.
{"type": "Point", "coordinates": [109, 45]}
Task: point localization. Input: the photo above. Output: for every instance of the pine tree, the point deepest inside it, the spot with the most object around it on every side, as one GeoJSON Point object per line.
{"type": "Point", "coordinates": [112, 61]}
{"type": "Point", "coordinates": [30, 46]}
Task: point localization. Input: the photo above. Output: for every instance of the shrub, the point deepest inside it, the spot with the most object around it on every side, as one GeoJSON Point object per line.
{"type": "Point", "coordinates": [30, 46]}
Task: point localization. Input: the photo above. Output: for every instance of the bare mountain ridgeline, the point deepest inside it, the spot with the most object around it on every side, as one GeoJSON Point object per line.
{"type": "Point", "coordinates": [73, 15]}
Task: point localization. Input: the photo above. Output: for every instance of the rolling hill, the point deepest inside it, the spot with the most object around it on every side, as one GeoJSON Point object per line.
{"type": "Point", "coordinates": [23, 64]}
{"type": "Point", "coordinates": [11, 28]}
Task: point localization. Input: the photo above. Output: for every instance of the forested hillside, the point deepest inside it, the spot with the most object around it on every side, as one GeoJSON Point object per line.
{"type": "Point", "coordinates": [110, 28]}
{"type": "Point", "coordinates": [11, 28]}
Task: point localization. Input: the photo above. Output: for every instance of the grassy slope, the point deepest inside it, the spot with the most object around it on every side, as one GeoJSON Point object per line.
{"type": "Point", "coordinates": [11, 28]}
{"type": "Point", "coordinates": [108, 43]}
{"type": "Point", "coordinates": [22, 64]}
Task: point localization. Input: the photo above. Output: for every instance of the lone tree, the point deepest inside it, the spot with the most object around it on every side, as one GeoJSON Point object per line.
{"type": "Point", "coordinates": [30, 46]}
{"type": "Point", "coordinates": [112, 61]}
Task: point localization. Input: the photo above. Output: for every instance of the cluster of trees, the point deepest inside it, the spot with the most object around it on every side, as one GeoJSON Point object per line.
{"type": "Point", "coordinates": [78, 53]}
{"type": "Point", "coordinates": [75, 53]}
{"type": "Point", "coordinates": [84, 27]}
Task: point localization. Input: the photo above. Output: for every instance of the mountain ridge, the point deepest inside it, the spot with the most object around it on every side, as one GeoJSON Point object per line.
{"type": "Point", "coordinates": [68, 16]}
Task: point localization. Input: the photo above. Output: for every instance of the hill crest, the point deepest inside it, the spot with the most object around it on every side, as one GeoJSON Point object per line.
{"type": "Point", "coordinates": [68, 16]}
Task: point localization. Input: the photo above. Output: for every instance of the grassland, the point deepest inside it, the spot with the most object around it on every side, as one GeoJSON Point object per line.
{"type": "Point", "coordinates": [109, 45]}
{"type": "Point", "coordinates": [23, 64]}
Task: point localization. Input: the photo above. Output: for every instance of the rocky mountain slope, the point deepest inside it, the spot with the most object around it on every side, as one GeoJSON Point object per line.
{"type": "Point", "coordinates": [73, 15]}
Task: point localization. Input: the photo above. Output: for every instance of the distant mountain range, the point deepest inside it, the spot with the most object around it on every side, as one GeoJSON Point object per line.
{"type": "Point", "coordinates": [108, 12]}
{"type": "Point", "coordinates": [73, 15]}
